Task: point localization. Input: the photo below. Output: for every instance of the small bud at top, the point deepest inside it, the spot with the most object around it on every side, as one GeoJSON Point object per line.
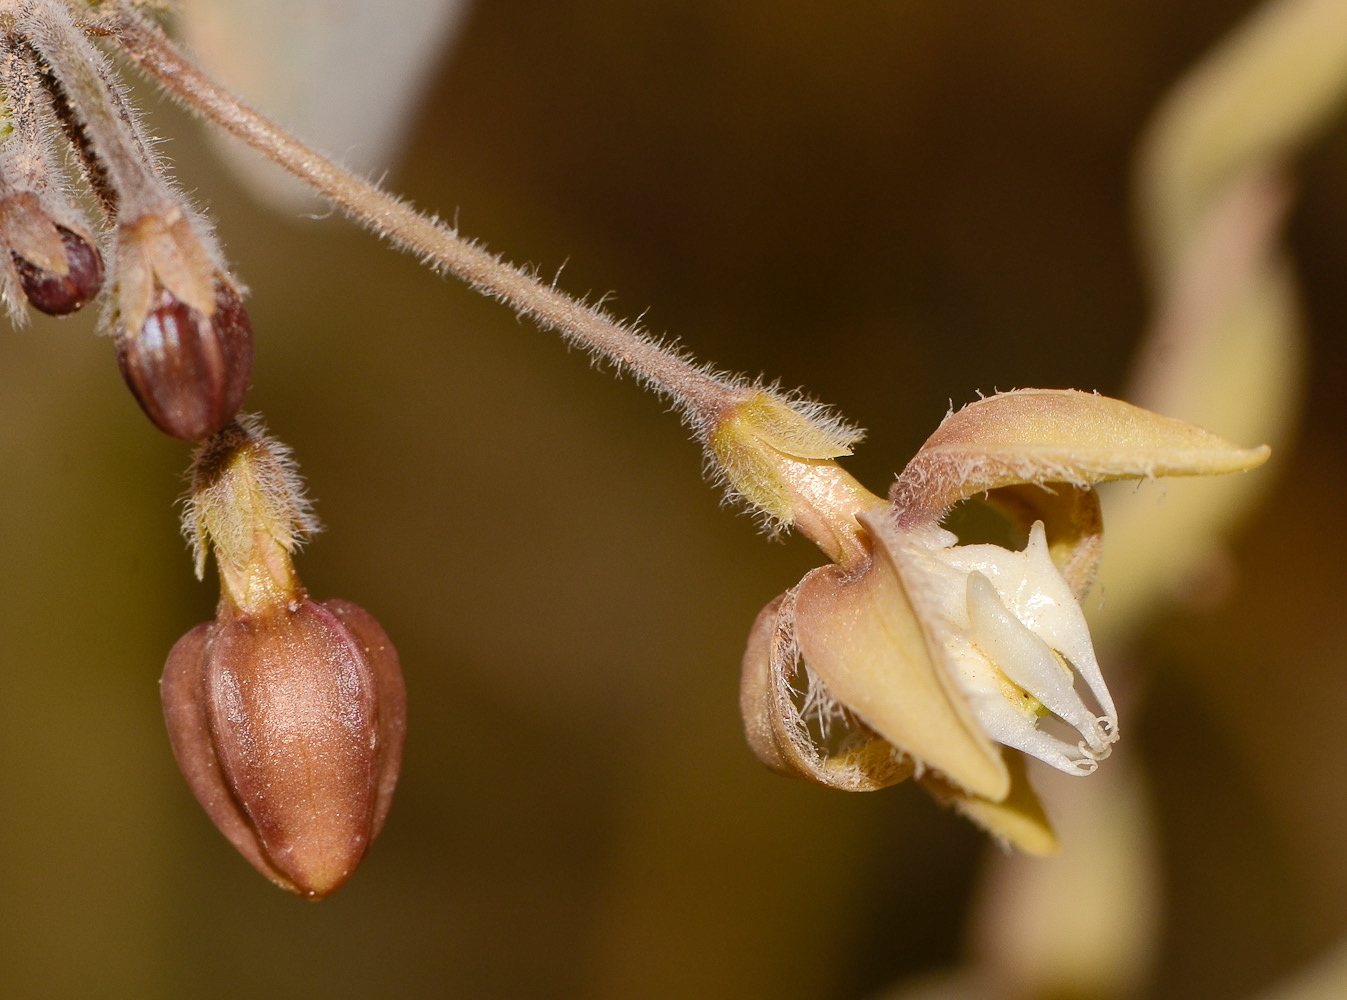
{"type": "Point", "coordinates": [188, 370]}
{"type": "Point", "coordinates": [184, 340]}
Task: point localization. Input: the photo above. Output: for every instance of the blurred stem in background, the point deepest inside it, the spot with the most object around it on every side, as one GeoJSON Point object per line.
{"type": "Point", "coordinates": [1224, 350]}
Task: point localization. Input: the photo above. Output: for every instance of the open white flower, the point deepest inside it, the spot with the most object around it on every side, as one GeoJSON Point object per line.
{"type": "Point", "coordinates": [1018, 638]}
{"type": "Point", "coordinates": [913, 656]}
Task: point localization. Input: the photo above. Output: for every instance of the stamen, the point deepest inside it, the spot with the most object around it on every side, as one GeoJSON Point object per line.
{"type": "Point", "coordinates": [1026, 659]}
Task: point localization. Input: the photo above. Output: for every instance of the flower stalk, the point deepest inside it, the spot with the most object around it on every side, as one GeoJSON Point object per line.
{"type": "Point", "coordinates": [702, 396]}
{"type": "Point", "coordinates": [908, 655]}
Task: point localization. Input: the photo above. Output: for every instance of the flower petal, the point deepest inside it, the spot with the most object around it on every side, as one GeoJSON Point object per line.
{"type": "Point", "coordinates": [861, 636]}
{"type": "Point", "coordinates": [1034, 591]}
{"type": "Point", "coordinates": [1029, 662]}
{"type": "Point", "coordinates": [1050, 436]}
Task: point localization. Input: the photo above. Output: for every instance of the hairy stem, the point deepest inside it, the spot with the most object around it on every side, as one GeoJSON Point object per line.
{"type": "Point", "coordinates": [26, 154]}
{"type": "Point", "coordinates": [701, 396]}
{"type": "Point", "coordinates": [85, 80]}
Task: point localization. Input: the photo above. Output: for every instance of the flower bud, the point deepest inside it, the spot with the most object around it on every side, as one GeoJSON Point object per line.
{"type": "Point", "coordinates": [60, 294]}
{"type": "Point", "coordinates": [287, 715]}
{"type": "Point", "coordinates": [188, 370]}
{"type": "Point", "coordinates": [58, 269]}
{"type": "Point", "coordinates": [289, 727]}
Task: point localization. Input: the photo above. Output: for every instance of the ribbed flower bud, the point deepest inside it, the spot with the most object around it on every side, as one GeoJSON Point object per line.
{"type": "Point", "coordinates": [288, 726]}
{"type": "Point", "coordinates": [58, 293]}
{"type": "Point", "coordinates": [188, 370]}
{"type": "Point", "coordinates": [184, 339]}
{"type": "Point", "coordinates": [287, 715]}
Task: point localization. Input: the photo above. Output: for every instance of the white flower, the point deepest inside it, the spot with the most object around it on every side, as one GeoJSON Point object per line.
{"type": "Point", "coordinates": [913, 656]}
{"type": "Point", "coordinates": [1018, 638]}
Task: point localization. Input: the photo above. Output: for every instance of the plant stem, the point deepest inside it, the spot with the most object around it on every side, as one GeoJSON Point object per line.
{"type": "Point", "coordinates": [702, 396]}
{"type": "Point", "coordinates": [84, 78]}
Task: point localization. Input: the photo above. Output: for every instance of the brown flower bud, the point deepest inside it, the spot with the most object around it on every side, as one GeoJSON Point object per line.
{"type": "Point", "coordinates": [57, 267]}
{"type": "Point", "coordinates": [189, 371]}
{"type": "Point", "coordinates": [60, 294]}
{"type": "Point", "coordinates": [289, 726]}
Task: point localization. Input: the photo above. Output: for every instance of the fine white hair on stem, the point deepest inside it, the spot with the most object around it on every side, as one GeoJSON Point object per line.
{"type": "Point", "coordinates": [698, 392]}
{"type": "Point", "coordinates": [705, 398]}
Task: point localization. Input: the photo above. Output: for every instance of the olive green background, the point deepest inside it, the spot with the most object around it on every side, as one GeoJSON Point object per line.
{"type": "Point", "coordinates": [894, 204]}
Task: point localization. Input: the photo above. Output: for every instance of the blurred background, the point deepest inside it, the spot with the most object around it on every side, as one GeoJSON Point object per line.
{"type": "Point", "coordinates": [894, 204]}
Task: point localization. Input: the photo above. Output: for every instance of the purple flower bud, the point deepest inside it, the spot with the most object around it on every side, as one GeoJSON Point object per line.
{"type": "Point", "coordinates": [62, 294]}
{"type": "Point", "coordinates": [289, 727]}
{"type": "Point", "coordinates": [189, 371]}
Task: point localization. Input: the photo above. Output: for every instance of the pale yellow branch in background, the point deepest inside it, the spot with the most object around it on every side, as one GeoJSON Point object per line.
{"type": "Point", "coordinates": [1225, 346]}
{"type": "Point", "coordinates": [1224, 351]}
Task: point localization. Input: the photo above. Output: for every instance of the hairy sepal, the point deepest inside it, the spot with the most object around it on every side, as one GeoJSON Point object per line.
{"type": "Point", "coordinates": [776, 725]}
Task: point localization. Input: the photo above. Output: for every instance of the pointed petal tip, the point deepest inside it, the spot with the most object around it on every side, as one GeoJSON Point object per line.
{"type": "Point", "coordinates": [1056, 435]}
{"type": "Point", "coordinates": [1254, 457]}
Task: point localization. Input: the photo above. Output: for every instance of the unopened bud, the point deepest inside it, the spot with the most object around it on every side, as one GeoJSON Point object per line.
{"type": "Point", "coordinates": [188, 370]}
{"type": "Point", "coordinates": [58, 269]}
{"type": "Point", "coordinates": [289, 727]}
{"type": "Point", "coordinates": [287, 715]}
{"type": "Point", "coordinates": [55, 293]}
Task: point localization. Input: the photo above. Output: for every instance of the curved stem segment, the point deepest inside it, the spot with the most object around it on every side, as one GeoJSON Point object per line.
{"type": "Point", "coordinates": [702, 396]}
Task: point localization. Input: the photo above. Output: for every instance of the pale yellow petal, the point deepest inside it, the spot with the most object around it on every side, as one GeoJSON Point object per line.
{"type": "Point", "coordinates": [860, 635]}
{"type": "Point", "coordinates": [1018, 819]}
